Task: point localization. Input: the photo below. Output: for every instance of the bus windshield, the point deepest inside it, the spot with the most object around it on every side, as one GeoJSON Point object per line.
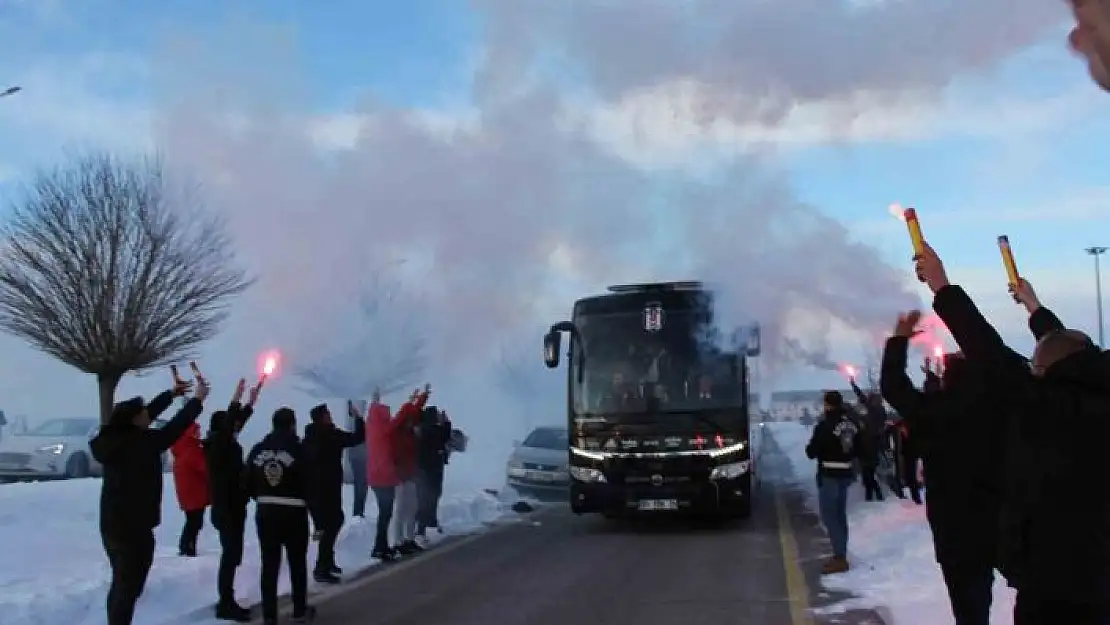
{"type": "Point", "coordinates": [628, 369]}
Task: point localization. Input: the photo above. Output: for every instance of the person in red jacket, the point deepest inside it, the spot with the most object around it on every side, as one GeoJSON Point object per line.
{"type": "Point", "coordinates": [190, 480]}
{"type": "Point", "coordinates": [407, 506]}
{"type": "Point", "coordinates": [382, 472]}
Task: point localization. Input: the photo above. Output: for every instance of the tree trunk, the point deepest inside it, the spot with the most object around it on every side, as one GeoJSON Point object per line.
{"type": "Point", "coordinates": [107, 383]}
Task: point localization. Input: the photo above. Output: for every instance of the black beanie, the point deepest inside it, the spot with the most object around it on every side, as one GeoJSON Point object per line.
{"type": "Point", "coordinates": [125, 412]}
{"type": "Point", "coordinates": [285, 419]}
{"type": "Point", "coordinates": [834, 399]}
{"type": "Point", "coordinates": [318, 412]}
{"type": "Point", "coordinates": [219, 421]}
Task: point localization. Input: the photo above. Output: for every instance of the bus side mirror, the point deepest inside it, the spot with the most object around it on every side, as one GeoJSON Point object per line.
{"type": "Point", "coordinates": [551, 344]}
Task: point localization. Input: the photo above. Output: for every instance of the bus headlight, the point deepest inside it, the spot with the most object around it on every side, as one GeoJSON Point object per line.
{"type": "Point", "coordinates": [730, 471]}
{"type": "Point", "coordinates": [587, 474]}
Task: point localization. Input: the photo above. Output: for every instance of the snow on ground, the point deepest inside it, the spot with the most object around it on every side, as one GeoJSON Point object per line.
{"type": "Point", "coordinates": [890, 548]}
{"type": "Point", "coordinates": [53, 569]}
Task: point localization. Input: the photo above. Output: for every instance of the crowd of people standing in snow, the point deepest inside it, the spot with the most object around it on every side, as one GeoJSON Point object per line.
{"type": "Point", "coordinates": [1012, 451]}
{"type": "Point", "coordinates": [292, 480]}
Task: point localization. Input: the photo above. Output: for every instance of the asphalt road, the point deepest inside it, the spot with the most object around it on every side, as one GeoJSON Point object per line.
{"type": "Point", "coordinates": [557, 569]}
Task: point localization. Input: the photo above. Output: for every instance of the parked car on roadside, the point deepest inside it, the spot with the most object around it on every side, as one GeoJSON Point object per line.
{"type": "Point", "coordinates": [55, 449]}
{"type": "Point", "coordinates": [538, 465]}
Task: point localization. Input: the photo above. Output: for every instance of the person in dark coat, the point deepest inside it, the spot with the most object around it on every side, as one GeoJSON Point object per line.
{"type": "Point", "coordinates": [324, 444]}
{"type": "Point", "coordinates": [131, 492]}
{"type": "Point", "coordinates": [224, 456]}
{"type": "Point", "coordinates": [956, 423]}
{"type": "Point", "coordinates": [874, 422]}
{"type": "Point", "coordinates": [276, 476]}
{"type": "Point", "coordinates": [433, 432]}
{"type": "Point", "coordinates": [835, 445]}
{"type": "Point", "coordinates": [1056, 521]}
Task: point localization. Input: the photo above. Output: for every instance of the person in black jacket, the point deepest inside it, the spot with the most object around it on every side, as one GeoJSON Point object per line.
{"type": "Point", "coordinates": [131, 493]}
{"type": "Point", "coordinates": [956, 424]}
{"type": "Point", "coordinates": [324, 444]}
{"type": "Point", "coordinates": [276, 476]}
{"type": "Point", "coordinates": [835, 445]}
{"type": "Point", "coordinates": [224, 457]}
{"type": "Point", "coordinates": [874, 426]}
{"type": "Point", "coordinates": [433, 432]}
{"type": "Point", "coordinates": [1056, 521]}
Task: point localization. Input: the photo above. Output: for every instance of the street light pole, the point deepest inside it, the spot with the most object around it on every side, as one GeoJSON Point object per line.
{"type": "Point", "coordinates": [1097, 252]}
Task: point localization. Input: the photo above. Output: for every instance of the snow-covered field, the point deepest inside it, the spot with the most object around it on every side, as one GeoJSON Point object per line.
{"type": "Point", "coordinates": [53, 569]}
{"type": "Point", "coordinates": [890, 548]}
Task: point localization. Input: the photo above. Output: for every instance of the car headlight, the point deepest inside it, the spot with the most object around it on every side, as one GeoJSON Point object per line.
{"type": "Point", "coordinates": [515, 469]}
{"type": "Point", "coordinates": [587, 474]}
{"type": "Point", "coordinates": [54, 450]}
{"type": "Point", "coordinates": [730, 471]}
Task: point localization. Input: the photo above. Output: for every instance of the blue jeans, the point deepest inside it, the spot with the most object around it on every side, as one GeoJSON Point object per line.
{"type": "Point", "coordinates": [832, 499]}
{"type": "Point", "coordinates": [356, 459]}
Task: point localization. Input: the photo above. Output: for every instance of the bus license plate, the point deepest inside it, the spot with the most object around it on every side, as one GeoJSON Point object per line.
{"type": "Point", "coordinates": [658, 504]}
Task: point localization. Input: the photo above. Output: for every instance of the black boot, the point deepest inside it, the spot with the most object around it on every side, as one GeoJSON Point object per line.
{"type": "Point", "coordinates": [309, 615]}
{"type": "Point", "coordinates": [231, 611]}
{"type": "Point", "coordinates": [385, 554]}
{"type": "Point", "coordinates": [326, 577]}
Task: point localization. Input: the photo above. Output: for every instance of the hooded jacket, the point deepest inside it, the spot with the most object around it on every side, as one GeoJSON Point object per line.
{"type": "Point", "coordinates": [392, 453]}
{"type": "Point", "coordinates": [131, 491]}
{"type": "Point", "coordinates": [224, 457]}
{"type": "Point", "coordinates": [404, 438]}
{"type": "Point", "coordinates": [190, 471]}
{"type": "Point", "coordinates": [432, 435]}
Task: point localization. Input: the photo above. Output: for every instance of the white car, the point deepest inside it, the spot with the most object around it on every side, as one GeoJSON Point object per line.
{"type": "Point", "coordinates": [58, 448]}
{"type": "Point", "coordinates": [55, 449]}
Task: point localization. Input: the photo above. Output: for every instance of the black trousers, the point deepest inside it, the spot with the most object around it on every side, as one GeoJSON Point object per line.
{"type": "Point", "coordinates": [231, 556]}
{"type": "Point", "coordinates": [385, 496]}
{"type": "Point", "coordinates": [130, 557]}
{"type": "Point", "coordinates": [969, 592]}
{"type": "Point", "coordinates": [1030, 609]}
{"type": "Point", "coordinates": [194, 522]}
{"type": "Point", "coordinates": [909, 472]}
{"type": "Point", "coordinates": [870, 481]}
{"type": "Point", "coordinates": [283, 528]}
{"type": "Point", "coordinates": [328, 525]}
{"type": "Point", "coordinates": [429, 488]}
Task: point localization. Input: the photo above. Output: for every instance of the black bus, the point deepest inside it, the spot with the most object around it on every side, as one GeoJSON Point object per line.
{"type": "Point", "coordinates": [657, 403]}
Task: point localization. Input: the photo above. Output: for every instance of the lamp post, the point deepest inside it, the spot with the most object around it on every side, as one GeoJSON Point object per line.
{"type": "Point", "coordinates": [1097, 252]}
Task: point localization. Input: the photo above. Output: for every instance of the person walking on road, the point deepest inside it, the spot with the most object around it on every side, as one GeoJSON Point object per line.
{"type": "Point", "coordinates": [357, 459]}
{"type": "Point", "coordinates": [131, 492]}
{"type": "Point", "coordinates": [224, 455]}
{"type": "Point", "coordinates": [190, 481]}
{"type": "Point", "coordinates": [835, 444]}
{"type": "Point", "coordinates": [277, 479]}
{"type": "Point", "coordinates": [324, 444]}
{"type": "Point", "coordinates": [958, 427]}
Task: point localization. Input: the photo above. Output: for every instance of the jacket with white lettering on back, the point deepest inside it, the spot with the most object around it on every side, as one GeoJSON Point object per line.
{"type": "Point", "coordinates": [835, 444]}
{"type": "Point", "coordinates": [275, 471]}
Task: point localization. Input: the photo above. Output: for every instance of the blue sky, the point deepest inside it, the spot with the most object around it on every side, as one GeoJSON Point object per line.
{"type": "Point", "coordinates": [1014, 148]}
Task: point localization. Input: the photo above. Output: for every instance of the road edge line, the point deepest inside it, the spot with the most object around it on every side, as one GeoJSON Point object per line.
{"type": "Point", "coordinates": [797, 588]}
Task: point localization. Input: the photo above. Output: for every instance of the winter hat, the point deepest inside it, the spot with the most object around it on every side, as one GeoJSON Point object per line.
{"type": "Point", "coordinates": [219, 421]}
{"type": "Point", "coordinates": [125, 412]}
{"type": "Point", "coordinates": [318, 413]}
{"type": "Point", "coordinates": [285, 419]}
{"type": "Point", "coordinates": [834, 399]}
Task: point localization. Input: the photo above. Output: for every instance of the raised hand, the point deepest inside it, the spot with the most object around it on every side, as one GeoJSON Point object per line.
{"type": "Point", "coordinates": [906, 326]}
{"type": "Point", "coordinates": [1025, 295]}
{"type": "Point", "coordinates": [240, 388]}
{"type": "Point", "coordinates": [930, 269]}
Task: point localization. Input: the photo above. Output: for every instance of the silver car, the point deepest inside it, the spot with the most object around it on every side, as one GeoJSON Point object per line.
{"type": "Point", "coordinates": [538, 465]}
{"type": "Point", "coordinates": [58, 448]}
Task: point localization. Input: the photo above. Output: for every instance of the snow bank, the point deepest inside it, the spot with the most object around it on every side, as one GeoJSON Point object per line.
{"type": "Point", "coordinates": [891, 550]}
{"type": "Point", "coordinates": [54, 569]}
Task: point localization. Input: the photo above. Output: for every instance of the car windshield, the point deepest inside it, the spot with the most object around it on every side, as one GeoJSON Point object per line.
{"type": "Point", "coordinates": [631, 370]}
{"type": "Point", "coordinates": [547, 438]}
{"type": "Point", "coordinates": [63, 428]}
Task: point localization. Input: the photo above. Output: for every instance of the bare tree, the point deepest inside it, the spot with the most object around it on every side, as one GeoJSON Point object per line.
{"type": "Point", "coordinates": [105, 268]}
{"type": "Point", "coordinates": [530, 386]}
{"type": "Point", "coordinates": [385, 350]}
